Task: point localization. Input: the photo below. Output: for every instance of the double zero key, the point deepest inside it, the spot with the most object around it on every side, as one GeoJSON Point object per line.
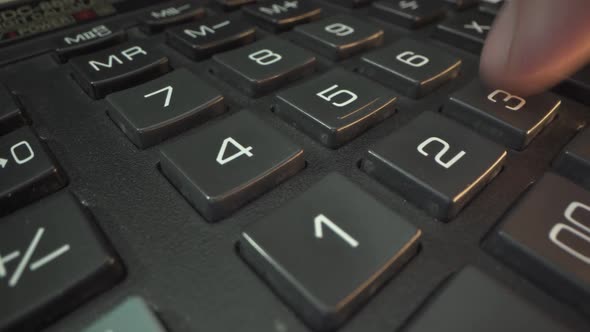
{"type": "Point", "coordinates": [435, 163]}
{"type": "Point", "coordinates": [546, 237]}
{"type": "Point", "coordinates": [327, 251]}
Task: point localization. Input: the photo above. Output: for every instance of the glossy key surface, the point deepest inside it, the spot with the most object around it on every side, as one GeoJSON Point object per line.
{"type": "Point", "coordinates": [11, 114]}
{"type": "Point", "coordinates": [118, 68]}
{"type": "Point", "coordinates": [172, 13]}
{"type": "Point", "coordinates": [473, 301]}
{"type": "Point", "coordinates": [574, 160]}
{"type": "Point", "coordinates": [281, 15]}
{"type": "Point", "coordinates": [505, 117]}
{"type": "Point", "coordinates": [410, 14]}
{"type": "Point", "coordinates": [412, 67]}
{"type": "Point", "coordinates": [52, 258]}
{"type": "Point", "coordinates": [131, 315]}
{"type": "Point", "coordinates": [27, 170]}
{"type": "Point", "coordinates": [467, 30]}
{"type": "Point", "coordinates": [335, 107]}
{"type": "Point", "coordinates": [340, 37]}
{"type": "Point", "coordinates": [264, 66]}
{"type": "Point", "coordinates": [166, 106]}
{"type": "Point", "coordinates": [199, 40]}
{"type": "Point", "coordinates": [223, 166]}
{"type": "Point", "coordinates": [88, 40]}
{"type": "Point", "coordinates": [546, 237]}
{"type": "Point", "coordinates": [328, 250]}
{"type": "Point", "coordinates": [435, 163]}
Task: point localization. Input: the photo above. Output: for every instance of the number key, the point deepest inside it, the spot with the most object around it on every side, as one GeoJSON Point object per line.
{"type": "Point", "coordinates": [466, 30]}
{"type": "Point", "coordinates": [264, 66]}
{"type": "Point", "coordinates": [574, 160]}
{"type": "Point", "coordinates": [166, 106]}
{"type": "Point", "coordinates": [340, 37]}
{"type": "Point", "coordinates": [546, 237]}
{"type": "Point", "coordinates": [412, 67]}
{"type": "Point", "coordinates": [225, 165]}
{"type": "Point", "coordinates": [501, 115]}
{"type": "Point", "coordinates": [336, 107]}
{"type": "Point", "coordinates": [52, 259]}
{"type": "Point", "coordinates": [435, 163]}
{"type": "Point", "coordinates": [11, 114]}
{"type": "Point", "coordinates": [327, 251]}
{"type": "Point", "coordinates": [26, 170]}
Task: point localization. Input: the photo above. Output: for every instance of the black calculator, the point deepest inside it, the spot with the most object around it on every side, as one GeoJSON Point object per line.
{"type": "Point", "coordinates": [283, 166]}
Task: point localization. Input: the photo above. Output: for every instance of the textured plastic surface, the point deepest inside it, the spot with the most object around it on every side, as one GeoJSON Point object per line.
{"type": "Point", "coordinates": [188, 270]}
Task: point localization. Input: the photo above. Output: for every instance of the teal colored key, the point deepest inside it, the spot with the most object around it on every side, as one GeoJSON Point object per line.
{"type": "Point", "coordinates": [131, 315]}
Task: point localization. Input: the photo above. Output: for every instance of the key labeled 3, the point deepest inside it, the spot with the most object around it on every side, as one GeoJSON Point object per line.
{"type": "Point", "coordinates": [412, 67]}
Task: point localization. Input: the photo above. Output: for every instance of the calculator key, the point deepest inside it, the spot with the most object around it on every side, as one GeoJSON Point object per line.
{"type": "Point", "coordinates": [279, 15]}
{"type": "Point", "coordinates": [233, 4]}
{"type": "Point", "coordinates": [164, 107]}
{"type": "Point", "coordinates": [340, 37]}
{"type": "Point", "coordinates": [435, 163]}
{"type": "Point", "coordinates": [335, 107]}
{"type": "Point", "coordinates": [574, 160]}
{"type": "Point", "coordinates": [462, 4]}
{"type": "Point", "coordinates": [118, 68]}
{"type": "Point", "coordinates": [170, 14]}
{"type": "Point", "coordinates": [87, 40]}
{"type": "Point", "coordinates": [11, 114]}
{"type": "Point", "coordinates": [411, 67]}
{"type": "Point", "coordinates": [131, 315]}
{"type": "Point", "coordinates": [507, 118]}
{"type": "Point", "coordinates": [200, 40]}
{"type": "Point", "coordinates": [350, 3]}
{"type": "Point", "coordinates": [264, 66]}
{"type": "Point", "coordinates": [52, 259]}
{"type": "Point", "coordinates": [578, 86]}
{"type": "Point", "coordinates": [410, 14]}
{"type": "Point", "coordinates": [329, 250]}
{"type": "Point", "coordinates": [473, 301]}
{"type": "Point", "coordinates": [225, 165]}
{"type": "Point", "coordinates": [466, 30]}
{"type": "Point", "coordinates": [26, 169]}
{"type": "Point", "coordinates": [546, 237]}
{"type": "Point", "coordinates": [491, 7]}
